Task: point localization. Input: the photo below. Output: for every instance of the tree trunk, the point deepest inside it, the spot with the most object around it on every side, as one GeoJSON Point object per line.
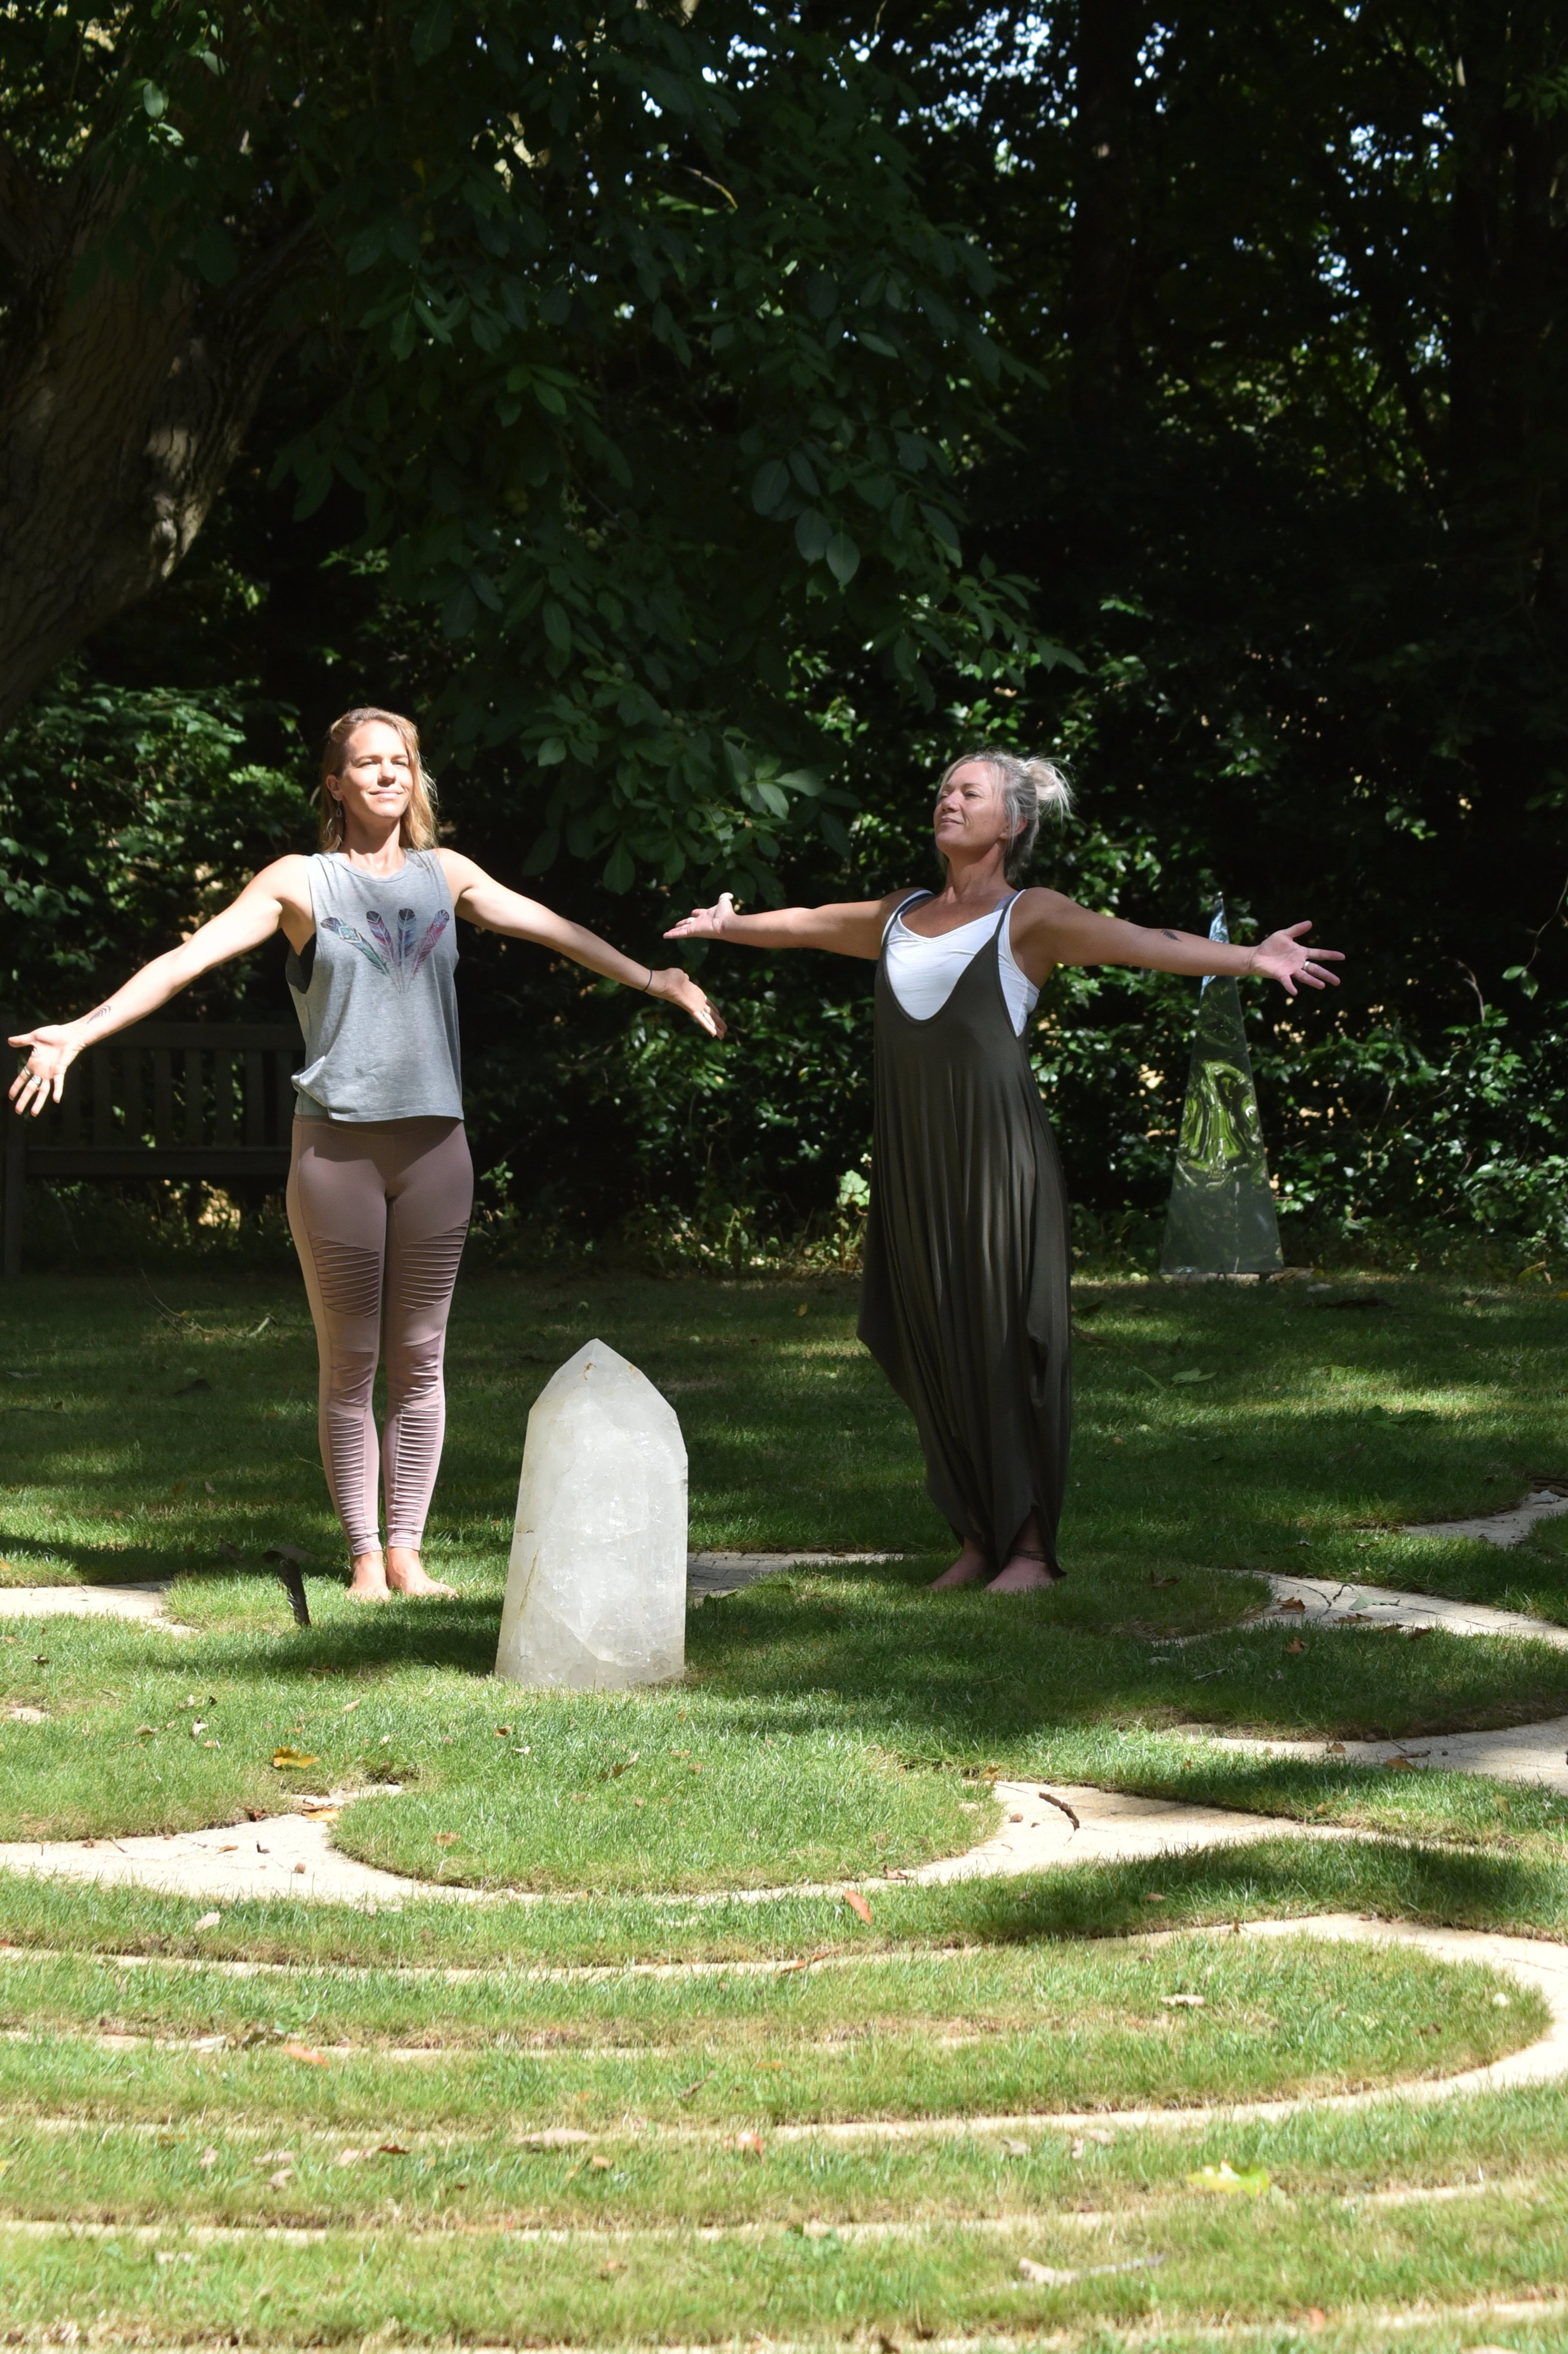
{"type": "Point", "coordinates": [125, 398]}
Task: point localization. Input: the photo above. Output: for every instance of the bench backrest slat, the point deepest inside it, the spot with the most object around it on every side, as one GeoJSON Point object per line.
{"type": "Point", "coordinates": [226, 1085]}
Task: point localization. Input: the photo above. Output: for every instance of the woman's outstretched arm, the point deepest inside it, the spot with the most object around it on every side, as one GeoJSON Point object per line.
{"type": "Point", "coordinates": [481, 900]}
{"type": "Point", "coordinates": [244, 924]}
{"type": "Point", "coordinates": [851, 927]}
{"type": "Point", "coordinates": [1049, 929]}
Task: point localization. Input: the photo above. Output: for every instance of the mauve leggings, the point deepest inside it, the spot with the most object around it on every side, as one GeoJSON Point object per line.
{"type": "Point", "coordinates": [379, 1215]}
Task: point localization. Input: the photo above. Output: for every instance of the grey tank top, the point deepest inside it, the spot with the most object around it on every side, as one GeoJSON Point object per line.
{"type": "Point", "coordinates": [375, 995]}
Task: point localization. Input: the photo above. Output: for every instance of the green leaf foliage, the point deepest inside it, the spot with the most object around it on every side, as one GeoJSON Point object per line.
{"type": "Point", "coordinates": [622, 328]}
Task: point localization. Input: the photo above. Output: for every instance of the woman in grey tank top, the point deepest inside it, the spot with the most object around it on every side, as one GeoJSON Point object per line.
{"type": "Point", "coordinates": [381, 1185]}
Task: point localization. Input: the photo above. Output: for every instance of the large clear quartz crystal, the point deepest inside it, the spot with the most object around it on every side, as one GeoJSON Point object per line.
{"type": "Point", "coordinates": [595, 1596]}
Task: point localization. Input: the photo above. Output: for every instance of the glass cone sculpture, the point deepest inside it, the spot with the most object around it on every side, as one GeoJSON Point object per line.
{"type": "Point", "coordinates": [596, 1594]}
{"type": "Point", "coordinates": [1221, 1220]}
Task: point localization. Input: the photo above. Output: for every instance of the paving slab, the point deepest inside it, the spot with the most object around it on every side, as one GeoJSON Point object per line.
{"type": "Point", "coordinates": [1520, 1753]}
{"type": "Point", "coordinates": [1049, 1824]}
{"type": "Point", "coordinates": [284, 1856]}
{"type": "Point", "coordinates": [709, 1574]}
{"type": "Point", "coordinates": [1331, 1602]}
{"type": "Point", "coordinates": [143, 1603]}
{"type": "Point", "coordinates": [1508, 1527]}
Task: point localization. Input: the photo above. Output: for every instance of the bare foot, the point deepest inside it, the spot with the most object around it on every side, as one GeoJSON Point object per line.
{"type": "Point", "coordinates": [405, 1573]}
{"type": "Point", "coordinates": [968, 1570]}
{"type": "Point", "coordinates": [368, 1582]}
{"type": "Point", "coordinates": [1024, 1573]}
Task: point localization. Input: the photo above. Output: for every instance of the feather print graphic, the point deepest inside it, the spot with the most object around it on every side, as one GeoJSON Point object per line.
{"type": "Point", "coordinates": [433, 931]}
{"type": "Point", "coordinates": [347, 932]}
{"type": "Point", "coordinates": [406, 919]}
{"type": "Point", "coordinates": [383, 940]}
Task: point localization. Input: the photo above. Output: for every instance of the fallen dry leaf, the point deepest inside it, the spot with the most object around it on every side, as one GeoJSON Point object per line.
{"type": "Point", "coordinates": [1316, 2318]}
{"type": "Point", "coordinates": [1164, 1581]}
{"type": "Point", "coordinates": [308, 2052]}
{"type": "Point", "coordinates": [601, 2165]}
{"type": "Point", "coordinates": [1016, 2148]}
{"type": "Point", "coordinates": [291, 1760]}
{"type": "Point", "coordinates": [1154, 1897]}
{"type": "Point", "coordinates": [284, 2174]}
{"type": "Point", "coordinates": [751, 2143]}
{"type": "Point", "coordinates": [209, 1920]}
{"type": "Point", "coordinates": [350, 2156]}
{"type": "Point", "coordinates": [857, 1903]}
{"type": "Point", "coordinates": [609, 2271]}
{"type": "Point", "coordinates": [444, 1839]}
{"type": "Point", "coordinates": [392, 2148]}
{"type": "Point", "coordinates": [208, 2158]}
{"type": "Point", "coordinates": [1295, 1647]}
{"type": "Point", "coordinates": [1294, 1603]}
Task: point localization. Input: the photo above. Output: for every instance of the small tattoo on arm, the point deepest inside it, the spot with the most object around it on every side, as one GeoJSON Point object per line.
{"type": "Point", "coordinates": [1171, 936]}
{"type": "Point", "coordinates": [100, 1010]}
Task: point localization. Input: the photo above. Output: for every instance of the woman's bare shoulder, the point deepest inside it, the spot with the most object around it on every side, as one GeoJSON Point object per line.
{"type": "Point", "coordinates": [1039, 905]}
{"type": "Point", "coordinates": [288, 877]}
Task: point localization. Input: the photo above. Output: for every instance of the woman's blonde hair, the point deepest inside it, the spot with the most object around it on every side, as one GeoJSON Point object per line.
{"type": "Point", "coordinates": [1029, 787]}
{"type": "Point", "coordinates": [417, 830]}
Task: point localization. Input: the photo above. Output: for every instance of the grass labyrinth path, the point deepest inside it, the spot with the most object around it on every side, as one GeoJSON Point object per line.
{"type": "Point", "coordinates": [1099, 2104]}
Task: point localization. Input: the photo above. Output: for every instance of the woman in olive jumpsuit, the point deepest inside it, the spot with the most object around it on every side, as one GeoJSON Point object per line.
{"type": "Point", "coordinates": [965, 1304]}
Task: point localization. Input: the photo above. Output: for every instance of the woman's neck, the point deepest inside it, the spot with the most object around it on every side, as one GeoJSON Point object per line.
{"type": "Point", "coordinates": [374, 854]}
{"type": "Point", "coordinates": [979, 884]}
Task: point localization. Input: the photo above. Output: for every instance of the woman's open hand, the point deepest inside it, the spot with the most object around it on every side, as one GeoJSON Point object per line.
{"type": "Point", "coordinates": [705, 923]}
{"type": "Point", "coordinates": [1282, 958]}
{"type": "Point", "coordinates": [54, 1052]}
{"type": "Point", "coordinates": [678, 987]}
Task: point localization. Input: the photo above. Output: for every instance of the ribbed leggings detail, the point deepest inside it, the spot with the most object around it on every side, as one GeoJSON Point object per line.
{"type": "Point", "coordinates": [379, 1215]}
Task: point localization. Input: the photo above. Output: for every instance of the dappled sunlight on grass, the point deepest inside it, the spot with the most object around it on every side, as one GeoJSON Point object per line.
{"type": "Point", "coordinates": [183, 1445]}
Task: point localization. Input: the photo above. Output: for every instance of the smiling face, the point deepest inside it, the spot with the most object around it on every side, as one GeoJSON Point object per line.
{"type": "Point", "coordinates": [971, 814]}
{"type": "Point", "coordinates": [375, 782]}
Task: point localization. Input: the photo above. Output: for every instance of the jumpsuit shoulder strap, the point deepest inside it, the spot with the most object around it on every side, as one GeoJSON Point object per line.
{"type": "Point", "coordinates": [909, 902]}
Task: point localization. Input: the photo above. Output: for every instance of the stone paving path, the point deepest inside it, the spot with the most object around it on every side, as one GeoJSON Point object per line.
{"type": "Point", "coordinates": [1523, 1752]}
{"type": "Point", "coordinates": [1508, 1527]}
{"type": "Point", "coordinates": [142, 1603]}
{"type": "Point", "coordinates": [293, 1855]}
{"type": "Point", "coordinates": [1330, 1602]}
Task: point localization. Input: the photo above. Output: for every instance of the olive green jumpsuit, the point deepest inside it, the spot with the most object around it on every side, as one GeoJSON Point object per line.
{"type": "Point", "coordinates": [965, 1304]}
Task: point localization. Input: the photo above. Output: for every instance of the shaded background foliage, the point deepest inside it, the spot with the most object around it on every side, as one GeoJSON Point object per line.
{"type": "Point", "coordinates": [1228, 346]}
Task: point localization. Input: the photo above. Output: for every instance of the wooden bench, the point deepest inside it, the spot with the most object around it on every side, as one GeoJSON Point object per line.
{"type": "Point", "coordinates": [180, 1099]}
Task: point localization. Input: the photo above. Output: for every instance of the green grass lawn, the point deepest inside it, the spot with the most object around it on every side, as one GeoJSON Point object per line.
{"type": "Point", "coordinates": [418, 2098]}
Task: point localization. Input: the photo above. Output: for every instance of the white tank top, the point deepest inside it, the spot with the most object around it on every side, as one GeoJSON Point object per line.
{"type": "Point", "coordinates": [923, 973]}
